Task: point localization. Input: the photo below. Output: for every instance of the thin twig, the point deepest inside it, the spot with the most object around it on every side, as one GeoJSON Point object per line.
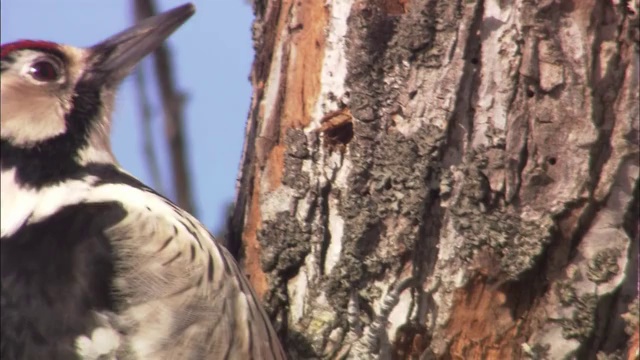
{"type": "Point", "coordinates": [172, 101]}
{"type": "Point", "coordinates": [147, 132]}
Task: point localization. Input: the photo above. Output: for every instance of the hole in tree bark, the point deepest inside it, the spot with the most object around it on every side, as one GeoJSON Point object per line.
{"type": "Point", "coordinates": [340, 135]}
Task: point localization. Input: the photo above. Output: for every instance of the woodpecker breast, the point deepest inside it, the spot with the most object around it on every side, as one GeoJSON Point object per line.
{"type": "Point", "coordinates": [126, 274]}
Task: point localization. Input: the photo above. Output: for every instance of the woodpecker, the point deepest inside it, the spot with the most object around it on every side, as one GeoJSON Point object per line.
{"type": "Point", "coordinates": [95, 264]}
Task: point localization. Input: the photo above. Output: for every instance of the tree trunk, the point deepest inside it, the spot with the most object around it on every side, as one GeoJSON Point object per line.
{"type": "Point", "coordinates": [433, 179]}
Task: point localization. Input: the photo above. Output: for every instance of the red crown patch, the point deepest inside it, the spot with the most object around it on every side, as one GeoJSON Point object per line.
{"type": "Point", "coordinates": [7, 49]}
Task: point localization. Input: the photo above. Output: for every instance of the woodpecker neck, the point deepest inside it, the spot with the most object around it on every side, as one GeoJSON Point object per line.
{"type": "Point", "coordinates": [21, 204]}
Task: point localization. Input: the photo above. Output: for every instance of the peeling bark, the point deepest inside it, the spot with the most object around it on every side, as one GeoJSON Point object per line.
{"type": "Point", "coordinates": [444, 179]}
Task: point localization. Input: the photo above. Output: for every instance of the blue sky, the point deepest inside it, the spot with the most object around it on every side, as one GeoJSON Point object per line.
{"type": "Point", "coordinates": [212, 56]}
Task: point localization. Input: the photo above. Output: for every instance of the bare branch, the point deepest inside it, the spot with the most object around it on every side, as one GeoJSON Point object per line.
{"type": "Point", "coordinates": [147, 132]}
{"type": "Point", "coordinates": [172, 101]}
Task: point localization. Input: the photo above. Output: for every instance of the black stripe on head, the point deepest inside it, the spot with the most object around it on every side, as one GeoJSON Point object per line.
{"type": "Point", "coordinates": [5, 64]}
{"type": "Point", "coordinates": [55, 159]}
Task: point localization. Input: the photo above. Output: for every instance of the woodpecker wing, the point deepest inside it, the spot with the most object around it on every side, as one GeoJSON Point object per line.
{"type": "Point", "coordinates": [179, 294]}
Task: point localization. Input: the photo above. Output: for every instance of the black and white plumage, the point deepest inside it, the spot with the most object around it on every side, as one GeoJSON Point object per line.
{"type": "Point", "coordinates": [96, 265]}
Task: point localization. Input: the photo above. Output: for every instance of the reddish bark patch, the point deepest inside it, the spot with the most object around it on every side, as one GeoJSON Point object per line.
{"type": "Point", "coordinates": [300, 79]}
{"type": "Point", "coordinates": [250, 240]}
{"type": "Point", "coordinates": [634, 345]}
{"type": "Point", "coordinates": [307, 42]}
{"type": "Point", "coordinates": [396, 7]}
{"type": "Point", "coordinates": [481, 325]}
{"type": "Point", "coordinates": [300, 31]}
{"type": "Point", "coordinates": [275, 167]}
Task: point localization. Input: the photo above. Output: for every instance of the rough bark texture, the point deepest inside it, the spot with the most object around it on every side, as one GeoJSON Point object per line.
{"type": "Point", "coordinates": [444, 179]}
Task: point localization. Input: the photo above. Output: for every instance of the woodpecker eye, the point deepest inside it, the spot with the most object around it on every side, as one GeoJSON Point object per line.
{"type": "Point", "coordinates": [44, 70]}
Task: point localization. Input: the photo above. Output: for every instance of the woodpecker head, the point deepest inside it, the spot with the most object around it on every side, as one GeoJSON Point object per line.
{"type": "Point", "coordinates": [57, 99]}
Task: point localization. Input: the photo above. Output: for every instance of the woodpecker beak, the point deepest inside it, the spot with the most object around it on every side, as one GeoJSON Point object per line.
{"type": "Point", "coordinates": [119, 54]}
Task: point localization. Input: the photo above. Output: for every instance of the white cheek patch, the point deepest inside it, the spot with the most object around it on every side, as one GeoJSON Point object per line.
{"type": "Point", "coordinates": [19, 206]}
{"type": "Point", "coordinates": [29, 112]}
{"type": "Point", "coordinates": [29, 116]}
{"type": "Point", "coordinates": [27, 127]}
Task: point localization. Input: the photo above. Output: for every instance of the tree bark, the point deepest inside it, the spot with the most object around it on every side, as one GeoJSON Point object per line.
{"type": "Point", "coordinates": [444, 179]}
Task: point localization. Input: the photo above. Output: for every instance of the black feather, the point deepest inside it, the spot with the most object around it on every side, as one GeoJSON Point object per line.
{"type": "Point", "coordinates": [55, 274]}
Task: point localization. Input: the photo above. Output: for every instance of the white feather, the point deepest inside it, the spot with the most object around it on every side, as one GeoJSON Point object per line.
{"type": "Point", "coordinates": [20, 205]}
